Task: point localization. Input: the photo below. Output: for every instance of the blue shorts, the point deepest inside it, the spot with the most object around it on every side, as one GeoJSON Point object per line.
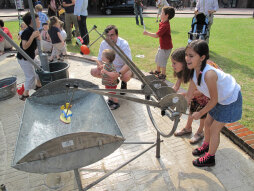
{"type": "Point", "coordinates": [228, 113]}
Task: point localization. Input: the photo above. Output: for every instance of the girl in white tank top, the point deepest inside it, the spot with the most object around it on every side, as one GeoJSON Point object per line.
{"type": "Point", "coordinates": [225, 105]}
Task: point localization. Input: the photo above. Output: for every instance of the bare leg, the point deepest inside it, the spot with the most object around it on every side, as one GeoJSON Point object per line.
{"type": "Point", "coordinates": [158, 68]}
{"type": "Point", "coordinates": [26, 93]}
{"type": "Point", "coordinates": [38, 83]}
{"type": "Point", "coordinates": [189, 122]}
{"type": "Point", "coordinates": [157, 17]}
{"type": "Point", "coordinates": [208, 122]}
{"type": "Point", "coordinates": [215, 136]}
{"type": "Point", "coordinates": [126, 76]}
{"type": "Point", "coordinates": [163, 70]}
{"type": "Point", "coordinates": [201, 126]}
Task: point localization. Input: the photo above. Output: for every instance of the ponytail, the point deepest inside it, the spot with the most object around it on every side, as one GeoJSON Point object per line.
{"type": "Point", "coordinates": [201, 71]}
{"type": "Point", "coordinates": [201, 48]}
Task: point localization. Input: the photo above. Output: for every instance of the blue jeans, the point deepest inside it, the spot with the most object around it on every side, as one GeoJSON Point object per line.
{"type": "Point", "coordinates": [138, 11]}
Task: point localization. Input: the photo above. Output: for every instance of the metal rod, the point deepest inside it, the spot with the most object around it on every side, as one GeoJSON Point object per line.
{"type": "Point", "coordinates": [20, 50]}
{"type": "Point", "coordinates": [67, 92]}
{"type": "Point", "coordinates": [75, 87]}
{"type": "Point", "coordinates": [108, 174]}
{"type": "Point", "coordinates": [94, 41]}
{"type": "Point", "coordinates": [78, 179]}
{"type": "Point", "coordinates": [158, 145]}
{"type": "Point", "coordinates": [120, 91]}
{"type": "Point", "coordinates": [138, 142]}
{"type": "Point", "coordinates": [137, 100]}
{"type": "Point", "coordinates": [94, 27]}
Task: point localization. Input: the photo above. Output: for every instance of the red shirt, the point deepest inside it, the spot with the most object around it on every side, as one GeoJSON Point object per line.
{"type": "Point", "coordinates": [6, 31]}
{"type": "Point", "coordinates": [164, 33]}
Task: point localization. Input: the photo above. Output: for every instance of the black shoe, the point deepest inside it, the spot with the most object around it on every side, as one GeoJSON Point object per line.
{"type": "Point", "coordinates": [73, 33]}
{"type": "Point", "coordinates": [206, 160]}
{"type": "Point", "coordinates": [114, 106]}
{"type": "Point", "coordinates": [37, 87]}
{"type": "Point", "coordinates": [81, 53]}
{"type": "Point", "coordinates": [123, 87]}
{"type": "Point", "coordinates": [199, 151]}
{"type": "Point", "coordinates": [23, 98]}
{"type": "Point", "coordinates": [110, 102]}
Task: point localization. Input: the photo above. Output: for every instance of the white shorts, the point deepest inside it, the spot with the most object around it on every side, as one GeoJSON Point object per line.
{"type": "Point", "coordinates": [29, 72]}
{"type": "Point", "coordinates": [46, 46]}
{"type": "Point", "coordinates": [162, 56]}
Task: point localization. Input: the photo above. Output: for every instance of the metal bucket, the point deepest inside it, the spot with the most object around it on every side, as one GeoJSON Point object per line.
{"type": "Point", "coordinates": [8, 87]}
{"type": "Point", "coordinates": [57, 71]}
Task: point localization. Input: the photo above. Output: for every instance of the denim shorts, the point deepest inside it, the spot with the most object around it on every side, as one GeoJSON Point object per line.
{"type": "Point", "coordinates": [228, 113]}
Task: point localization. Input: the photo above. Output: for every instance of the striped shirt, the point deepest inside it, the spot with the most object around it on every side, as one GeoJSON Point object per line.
{"type": "Point", "coordinates": [106, 80]}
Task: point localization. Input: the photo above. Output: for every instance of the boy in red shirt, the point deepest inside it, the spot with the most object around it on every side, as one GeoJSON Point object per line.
{"type": "Point", "coordinates": [164, 34]}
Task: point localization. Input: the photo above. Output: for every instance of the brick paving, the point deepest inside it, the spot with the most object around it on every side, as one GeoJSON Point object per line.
{"type": "Point", "coordinates": [234, 169]}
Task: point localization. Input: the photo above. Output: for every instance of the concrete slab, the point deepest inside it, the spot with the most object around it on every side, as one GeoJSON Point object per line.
{"type": "Point", "coordinates": [12, 14]}
{"type": "Point", "coordinates": [234, 169]}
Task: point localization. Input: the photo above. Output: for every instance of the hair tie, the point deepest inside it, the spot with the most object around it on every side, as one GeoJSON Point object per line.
{"type": "Point", "coordinates": [200, 72]}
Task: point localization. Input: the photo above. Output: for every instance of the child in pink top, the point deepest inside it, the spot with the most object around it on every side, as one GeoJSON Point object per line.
{"type": "Point", "coordinates": [4, 44]}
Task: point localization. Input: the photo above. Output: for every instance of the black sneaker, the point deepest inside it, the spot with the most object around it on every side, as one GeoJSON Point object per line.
{"type": "Point", "coordinates": [123, 87]}
{"type": "Point", "coordinates": [37, 87]}
{"type": "Point", "coordinates": [114, 106]}
{"type": "Point", "coordinates": [206, 160]}
{"type": "Point", "coordinates": [110, 102]}
{"type": "Point", "coordinates": [201, 150]}
{"type": "Point", "coordinates": [73, 33]}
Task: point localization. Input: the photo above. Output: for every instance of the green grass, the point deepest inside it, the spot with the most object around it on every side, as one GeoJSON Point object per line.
{"type": "Point", "coordinates": [231, 47]}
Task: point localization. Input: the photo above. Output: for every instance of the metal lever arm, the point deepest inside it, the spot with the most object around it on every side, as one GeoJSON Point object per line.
{"type": "Point", "coordinates": [137, 100]}
{"type": "Point", "coordinates": [175, 101]}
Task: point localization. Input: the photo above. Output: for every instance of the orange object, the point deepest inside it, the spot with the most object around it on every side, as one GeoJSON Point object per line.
{"type": "Point", "coordinates": [21, 90]}
{"type": "Point", "coordinates": [84, 49]}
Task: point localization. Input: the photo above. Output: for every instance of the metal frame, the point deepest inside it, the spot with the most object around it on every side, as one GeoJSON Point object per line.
{"type": "Point", "coordinates": [157, 144]}
{"type": "Point", "coordinates": [157, 94]}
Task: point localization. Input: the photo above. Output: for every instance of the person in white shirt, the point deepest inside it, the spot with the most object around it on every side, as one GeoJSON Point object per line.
{"type": "Point", "coordinates": [224, 106]}
{"type": "Point", "coordinates": [80, 9]}
{"type": "Point", "coordinates": [160, 4]}
{"type": "Point", "coordinates": [64, 36]}
{"type": "Point", "coordinates": [122, 70]}
{"type": "Point", "coordinates": [208, 7]}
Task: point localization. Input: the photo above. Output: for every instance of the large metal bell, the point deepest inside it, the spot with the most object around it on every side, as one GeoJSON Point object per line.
{"type": "Point", "coordinates": [46, 145]}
